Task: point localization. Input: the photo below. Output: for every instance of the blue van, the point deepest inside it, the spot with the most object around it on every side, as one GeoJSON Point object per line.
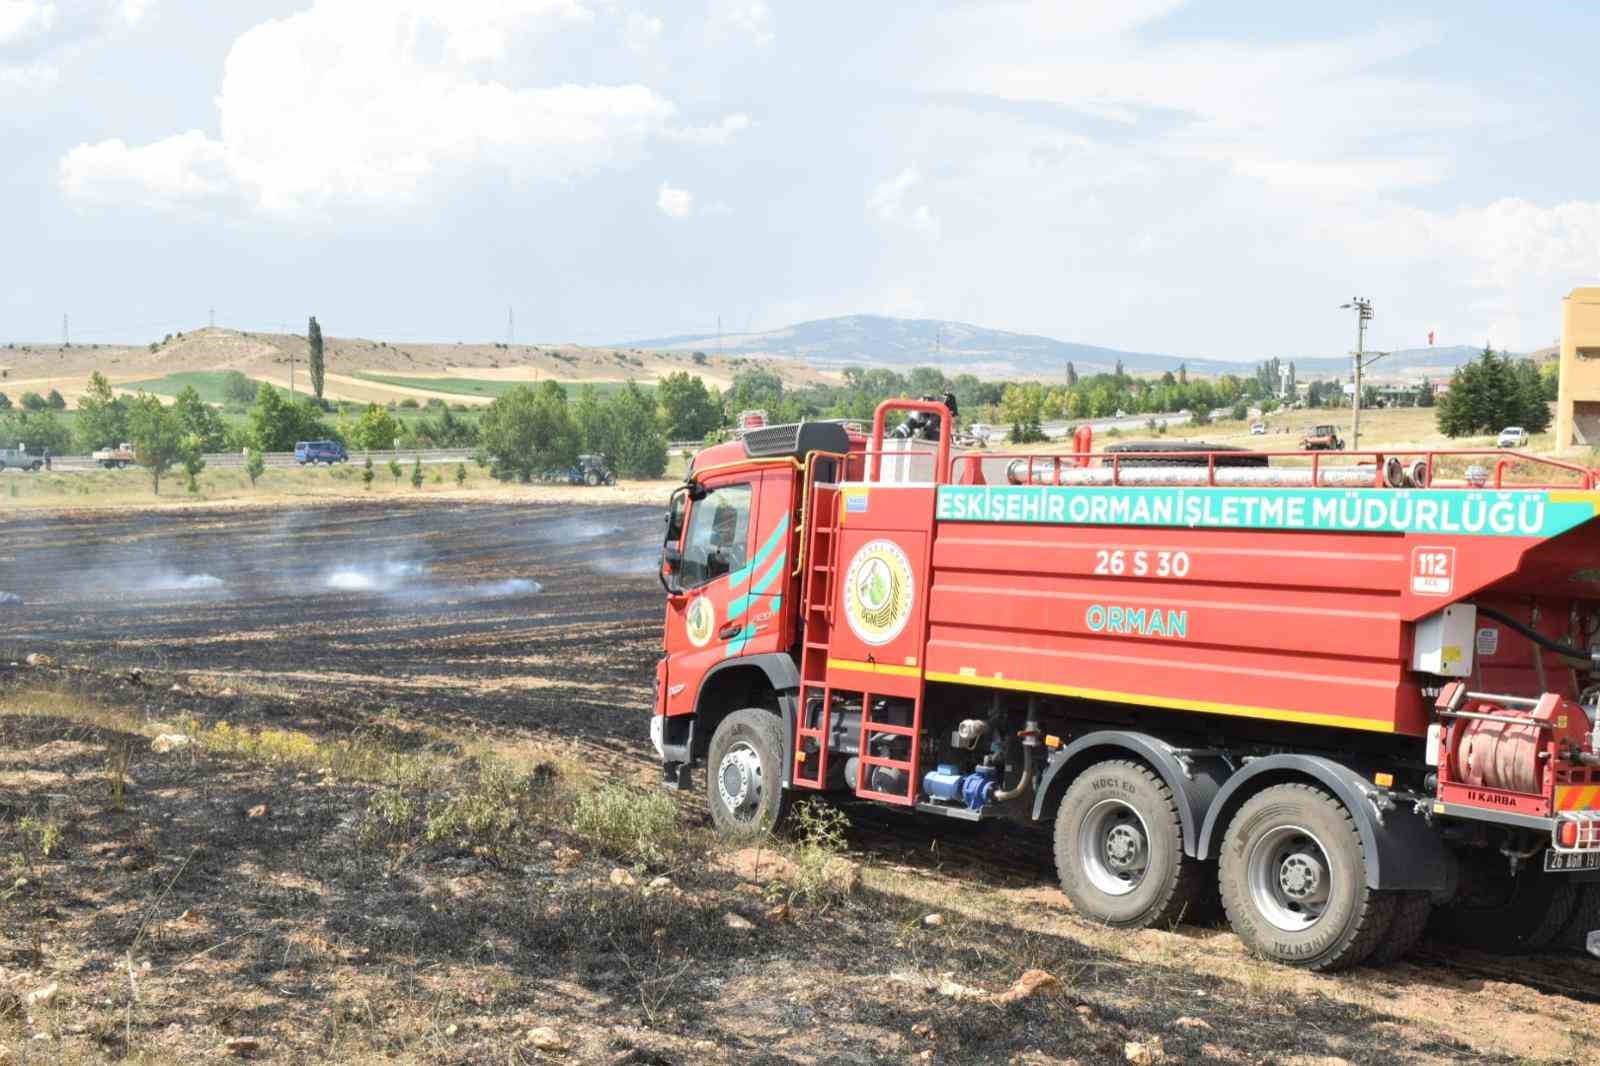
{"type": "Point", "coordinates": [320, 451]}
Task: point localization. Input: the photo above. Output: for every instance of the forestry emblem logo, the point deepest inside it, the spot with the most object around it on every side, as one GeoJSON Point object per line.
{"type": "Point", "coordinates": [879, 589]}
{"type": "Point", "coordinates": [699, 621]}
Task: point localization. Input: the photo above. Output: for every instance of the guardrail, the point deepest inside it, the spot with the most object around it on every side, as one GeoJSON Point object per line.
{"type": "Point", "coordinates": [235, 460]}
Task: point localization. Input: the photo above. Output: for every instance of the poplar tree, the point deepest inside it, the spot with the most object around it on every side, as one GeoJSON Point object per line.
{"type": "Point", "coordinates": [314, 341]}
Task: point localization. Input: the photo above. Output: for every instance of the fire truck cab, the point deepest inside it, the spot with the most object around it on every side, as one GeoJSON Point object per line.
{"type": "Point", "coordinates": [1341, 695]}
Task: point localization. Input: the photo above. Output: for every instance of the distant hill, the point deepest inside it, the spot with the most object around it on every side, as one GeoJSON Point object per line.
{"type": "Point", "coordinates": [1405, 363]}
{"type": "Point", "coordinates": [357, 369]}
{"type": "Point", "coordinates": [956, 347]}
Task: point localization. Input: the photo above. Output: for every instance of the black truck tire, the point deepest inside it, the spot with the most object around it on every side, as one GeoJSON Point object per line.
{"type": "Point", "coordinates": [1294, 881]}
{"type": "Point", "coordinates": [1411, 913]}
{"type": "Point", "coordinates": [1119, 849]}
{"type": "Point", "coordinates": [1524, 914]}
{"type": "Point", "coordinates": [1585, 919]}
{"type": "Point", "coordinates": [744, 774]}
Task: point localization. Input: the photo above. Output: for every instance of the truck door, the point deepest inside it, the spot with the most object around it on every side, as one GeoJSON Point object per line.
{"type": "Point", "coordinates": [706, 611]}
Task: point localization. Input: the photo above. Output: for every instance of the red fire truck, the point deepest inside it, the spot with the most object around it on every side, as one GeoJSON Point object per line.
{"type": "Point", "coordinates": [1345, 692]}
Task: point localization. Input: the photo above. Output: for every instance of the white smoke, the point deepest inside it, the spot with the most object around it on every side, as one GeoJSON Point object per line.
{"type": "Point", "coordinates": [379, 577]}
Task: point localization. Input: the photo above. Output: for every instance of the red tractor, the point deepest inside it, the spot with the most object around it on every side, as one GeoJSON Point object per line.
{"type": "Point", "coordinates": [1343, 693]}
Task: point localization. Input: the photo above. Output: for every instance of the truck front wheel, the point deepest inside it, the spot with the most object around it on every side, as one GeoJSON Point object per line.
{"type": "Point", "coordinates": [1294, 881]}
{"type": "Point", "coordinates": [1119, 849]}
{"type": "Point", "coordinates": [744, 779]}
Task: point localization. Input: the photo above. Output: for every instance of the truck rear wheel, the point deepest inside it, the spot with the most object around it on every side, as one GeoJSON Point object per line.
{"type": "Point", "coordinates": [1585, 919]}
{"type": "Point", "coordinates": [1119, 849]}
{"type": "Point", "coordinates": [1504, 914]}
{"type": "Point", "coordinates": [1411, 913]}
{"type": "Point", "coordinates": [1294, 881]}
{"type": "Point", "coordinates": [744, 774]}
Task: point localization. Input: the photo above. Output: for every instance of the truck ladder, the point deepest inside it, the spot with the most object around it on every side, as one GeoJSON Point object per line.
{"type": "Point", "coordinates": [912, 766]}
{"type": "Point", "coordinates": [816, 619]}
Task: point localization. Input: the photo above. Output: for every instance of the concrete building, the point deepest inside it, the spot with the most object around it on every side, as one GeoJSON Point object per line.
{"type": "Point", "coordinates": [1578, 402]}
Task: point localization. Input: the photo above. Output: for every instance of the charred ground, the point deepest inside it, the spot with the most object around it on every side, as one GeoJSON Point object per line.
{"type": "Point", "coordinates": [348, 677]}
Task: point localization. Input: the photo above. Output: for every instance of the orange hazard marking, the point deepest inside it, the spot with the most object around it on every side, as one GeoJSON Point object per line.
{"type": "Point", "coordinates": [1577, 797]}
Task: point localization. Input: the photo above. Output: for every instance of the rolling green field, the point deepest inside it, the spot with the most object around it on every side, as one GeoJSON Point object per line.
{"type": "Point", "coordinates": [208, 383]}
{"type": "Point", "coordinates": [482, 387]}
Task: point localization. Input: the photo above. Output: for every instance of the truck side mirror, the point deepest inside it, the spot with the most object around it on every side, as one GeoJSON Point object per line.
{"type": "Point", "coordinates": [671, 561]}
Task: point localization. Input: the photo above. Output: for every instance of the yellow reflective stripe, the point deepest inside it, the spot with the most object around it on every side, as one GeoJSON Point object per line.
{"type": "Point", "coordinates": [1203, 706]}
{"type": "Point", "coordinates": [1576, 797]}
{"type": "Point", "coordinates": [874, 668]}
{"type": "Point", "coordinates": [1587, 496]}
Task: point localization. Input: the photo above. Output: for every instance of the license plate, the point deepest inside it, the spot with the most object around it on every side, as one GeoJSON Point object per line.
{"type": "Point", "coordinates": [1561, 862]}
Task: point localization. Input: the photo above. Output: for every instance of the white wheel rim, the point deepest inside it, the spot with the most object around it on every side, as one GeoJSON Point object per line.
{"type": "Point", "coordinates": [1291, 878]}
{"type": "Point", "coordinates": [739, 783]}
{"type": "Point", "coordinates": [1114, 847]}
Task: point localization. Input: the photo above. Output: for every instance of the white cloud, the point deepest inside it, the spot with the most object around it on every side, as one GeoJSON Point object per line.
{"type": "Point", "coordinates": [1512, 259]}
{"type": "Point", "coordinates": [20, 19]}
{"type": "Point", "coordinates": [132, 12]}
{"type": "Point", "coordinates": [32, 76]}
{"type": "Point", "coordinates": [46, 37]}
{"type": "Point", "coordinates": [640, 31]}
{"type": "Point", "coordinates": [674, 203]}
{"type": "Point", "coordinates": [1316, 116]}
{"type": "Point", "coordinates": [344, 103]}
{"type": "Point", "coordinates": [186, 166]}
{"type": "Point", "coordinates": [888, 202]}
{"type": "Point", "coordinates": [753, 18]}
{"type": "Point", "coordinates": [723, 132]}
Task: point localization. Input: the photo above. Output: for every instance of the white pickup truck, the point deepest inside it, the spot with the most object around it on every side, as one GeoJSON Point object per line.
{"type": "Point", "coordinates": [20, 458]}
{"type": "Point", "coordinates": [115, 458]}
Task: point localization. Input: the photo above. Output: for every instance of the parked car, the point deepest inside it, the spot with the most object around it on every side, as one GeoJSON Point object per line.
{"type": "Point", "coordinates": [1513, 437]}
{"type": "Point", "coordinates": [320, 451]}
{"type": "Point", "coordinates": [1322, 439]}
{"type": "Point", "coordinates": [21, 458]}
{"type": "Point", "coordinates": [1258, 429]}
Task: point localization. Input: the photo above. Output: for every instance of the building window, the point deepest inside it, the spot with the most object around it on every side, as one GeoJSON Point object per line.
{"type": "Point", "coordinates": [1589, 353]}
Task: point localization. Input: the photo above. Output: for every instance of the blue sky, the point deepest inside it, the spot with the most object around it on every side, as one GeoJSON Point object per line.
{"type": "Point", "coordinates": [1208, 179]}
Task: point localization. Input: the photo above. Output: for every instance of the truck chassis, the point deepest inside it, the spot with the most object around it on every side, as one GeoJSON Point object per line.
{"type": "Point", "coordinates": [1339, 700]}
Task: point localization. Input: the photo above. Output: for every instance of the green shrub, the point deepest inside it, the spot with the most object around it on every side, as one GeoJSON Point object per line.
{"type": "Point", "coordinates": [819, 831]}
{"type": "Point", "coordinates": [628, 824]}
{"type": "Point", "coordinates": [487, 811]}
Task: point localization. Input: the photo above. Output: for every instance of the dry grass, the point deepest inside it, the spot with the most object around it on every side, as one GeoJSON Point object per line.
{"type": "Point", "coordinates": [279, 486]}
{"type": "Point", "coordinates": [393, 893]}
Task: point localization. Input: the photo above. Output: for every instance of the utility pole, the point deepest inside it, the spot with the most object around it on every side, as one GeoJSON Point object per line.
{"type": "Point", "coordinates": [719, 334]}
{"type": "Point", "coordinates": [66, 335]}
{"type": "Point", "coordinates": [213, 318]}
{"type": "Point", "coordinates": [1363, 310]}
{"type": "Point", "coordinates": [511, 327]}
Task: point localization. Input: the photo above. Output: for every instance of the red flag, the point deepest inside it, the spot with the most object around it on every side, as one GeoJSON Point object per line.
{"type": "Point", "coordinates": [1430, 338]}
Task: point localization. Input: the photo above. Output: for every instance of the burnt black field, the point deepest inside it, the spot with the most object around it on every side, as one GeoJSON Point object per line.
{"type": "Point", "coordinates": [543, 615]}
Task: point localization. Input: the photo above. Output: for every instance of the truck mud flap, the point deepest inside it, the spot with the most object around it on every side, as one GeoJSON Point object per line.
{"type": "Point", "coordinates": [1402, 852]}
{"type": "Point", "coordinates": [1194, 777]}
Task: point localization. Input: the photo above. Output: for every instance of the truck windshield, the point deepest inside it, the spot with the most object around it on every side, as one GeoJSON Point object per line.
{"type": "Point", "coordinates": [719, 528]}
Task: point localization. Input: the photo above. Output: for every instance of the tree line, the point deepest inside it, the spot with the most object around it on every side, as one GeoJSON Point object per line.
{"type": "Point", "coordinates": [1495, 391]}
